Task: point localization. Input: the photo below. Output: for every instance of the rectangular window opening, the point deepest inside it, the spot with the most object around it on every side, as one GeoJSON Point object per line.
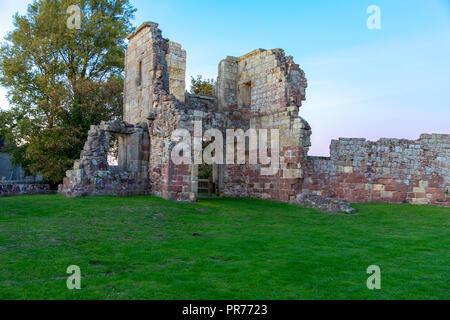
{"type": "Point", "coordinates": [139, 75]}
{"type": "Point", "coordinates": [245, 95]}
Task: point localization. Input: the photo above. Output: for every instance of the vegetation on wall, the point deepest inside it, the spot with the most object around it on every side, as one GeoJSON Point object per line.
{"type": "Point", "coordinates": [202, 87]}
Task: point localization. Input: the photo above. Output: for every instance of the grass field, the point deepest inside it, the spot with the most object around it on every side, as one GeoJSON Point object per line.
{"type": "Point", "coordinates": [145, 248]}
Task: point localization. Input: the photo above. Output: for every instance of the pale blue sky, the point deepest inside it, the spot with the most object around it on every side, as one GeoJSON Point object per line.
{"type": "Point", "coordinates": [393, 82]}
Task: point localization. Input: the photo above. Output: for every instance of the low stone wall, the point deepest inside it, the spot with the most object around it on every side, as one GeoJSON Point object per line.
{"type": "Point", "coordinates": [23, 189]}
{"type": "Point", "coordinates": [388, 170]}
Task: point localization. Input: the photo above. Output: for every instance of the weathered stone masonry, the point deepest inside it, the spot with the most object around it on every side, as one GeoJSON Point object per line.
{"type": "Point", "coordinates": [389, 170]}
{"type": "Point", "coordinates": [19, 189]}
{"type": "Point", "coordinates": [263, 89]}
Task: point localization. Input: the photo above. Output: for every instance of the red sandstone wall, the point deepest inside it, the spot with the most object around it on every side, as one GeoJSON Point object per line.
{"type": "Point", "coordinates": [389, 170]}
{"type": "Point", "coordinates": [247, 181]}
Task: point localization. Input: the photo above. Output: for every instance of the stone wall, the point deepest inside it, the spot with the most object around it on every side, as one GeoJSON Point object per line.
{"type": "Point", "coordinates": [264, 89]}
{"type": "Point", "coordinates": [158, 100]}
{"type": "Point", "coordinates": [176, 67]}
{"type": "Point", "coordinates": [389, 170]}
{"type": "Point", "coordinates": [20, 189]}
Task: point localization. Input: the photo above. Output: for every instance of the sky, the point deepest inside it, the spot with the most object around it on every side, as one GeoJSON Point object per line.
{"type": "Point", "coordinates": [388, 83]}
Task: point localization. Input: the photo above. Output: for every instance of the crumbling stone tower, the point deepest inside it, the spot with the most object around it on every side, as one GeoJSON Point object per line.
{"type": "Point", "coordinates": [265, 89]}
{"type": "Point", "coordinates": [155, 96]}
{"type": "Point", "coordinates": [154, 66]}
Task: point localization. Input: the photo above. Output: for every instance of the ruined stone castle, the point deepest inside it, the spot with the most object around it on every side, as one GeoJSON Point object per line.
{"type": "Point", "coordinates": [263, 89]}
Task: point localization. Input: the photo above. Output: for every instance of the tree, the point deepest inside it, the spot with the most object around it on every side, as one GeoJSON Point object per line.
{"type": "Point", "coordinates": [202, 87]}
{"type": "Point", "coordinates": [60, 80]}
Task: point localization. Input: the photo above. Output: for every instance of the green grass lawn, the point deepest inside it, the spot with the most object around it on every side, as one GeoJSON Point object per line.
{"type": "Point", "coordinates": [144, 248]}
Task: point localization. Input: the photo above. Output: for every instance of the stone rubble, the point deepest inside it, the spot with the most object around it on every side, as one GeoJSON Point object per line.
{"type": "Point", "coordinates": [324, 204]}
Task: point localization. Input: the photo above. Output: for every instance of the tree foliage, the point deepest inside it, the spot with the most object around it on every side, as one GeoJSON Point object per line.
{"type": "Point", "coordinates": [62, 80]}
{"type": "Point", "coordinates": [202, 87]}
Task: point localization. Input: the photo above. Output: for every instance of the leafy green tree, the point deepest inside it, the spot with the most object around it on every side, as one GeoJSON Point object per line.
{"type": "Point", "coordinates": [202, 87]}
{"type": "Point", "coordinates": [60, 80]}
